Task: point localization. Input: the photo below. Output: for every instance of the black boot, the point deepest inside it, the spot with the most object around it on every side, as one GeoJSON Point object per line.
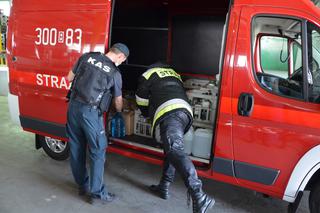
{"type": "Point", "coordinates": [201, 202]}
{"type": "Point", "coordinates": [168, 173]}
{"type": "Point", "coordinates": [162, 189]}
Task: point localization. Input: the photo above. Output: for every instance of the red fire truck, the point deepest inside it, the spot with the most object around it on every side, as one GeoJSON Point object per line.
{"type": "Point", "coordinates": [266, 131]}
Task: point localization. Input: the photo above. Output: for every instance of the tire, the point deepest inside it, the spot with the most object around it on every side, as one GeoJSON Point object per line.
{"type": "Point", "coordinates": [314, 198]}
{"type": "Point", "coordinates": [54, 148]}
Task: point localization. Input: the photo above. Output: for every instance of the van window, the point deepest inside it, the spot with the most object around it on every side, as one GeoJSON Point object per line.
{"type": "Point", "coordinates": [314, 59]}
{"type": "Point", "coordinates": [278, 55]}
{"type": "Point", "coordinates": [274, 56]}
{"type": "Point", "coordinates": [297, 55]}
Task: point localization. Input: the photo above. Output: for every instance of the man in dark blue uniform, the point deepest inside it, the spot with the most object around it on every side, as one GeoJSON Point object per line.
{"type": "Point", "coordinates": [95, 79]}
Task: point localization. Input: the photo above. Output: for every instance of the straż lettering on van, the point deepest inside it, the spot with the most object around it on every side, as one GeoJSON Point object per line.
{"type": "Point", "coordinates": [52, 81]}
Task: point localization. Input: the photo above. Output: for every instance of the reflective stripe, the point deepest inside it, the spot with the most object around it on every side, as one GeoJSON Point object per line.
{"type": "Point", "coordinates": [161, 72]}
{"type": "Point", "coordinates": [169, 106]}
{"type": "Point", "coordinates": [142, 101]}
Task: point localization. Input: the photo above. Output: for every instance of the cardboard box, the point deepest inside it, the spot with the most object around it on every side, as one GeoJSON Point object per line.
{"type": "Point", "coordinates": [142, 125]}
{"type": "Point", "coordinates": [128, 117]}
{"type": "Point", "coordinates": [128, 105]}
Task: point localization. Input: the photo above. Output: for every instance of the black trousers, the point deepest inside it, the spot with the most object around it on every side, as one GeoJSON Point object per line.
{"type": "Point", "coordinates": [172, 131]}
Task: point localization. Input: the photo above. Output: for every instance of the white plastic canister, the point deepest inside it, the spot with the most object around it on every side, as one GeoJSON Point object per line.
{"type": "Point", "coordinates": [188, 139]}
{"type": "Point", "coordinates": [201, 146]}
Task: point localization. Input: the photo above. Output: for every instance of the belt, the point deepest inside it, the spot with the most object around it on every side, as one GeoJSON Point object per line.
{"type": "Point", "coordinates": [93, 106]}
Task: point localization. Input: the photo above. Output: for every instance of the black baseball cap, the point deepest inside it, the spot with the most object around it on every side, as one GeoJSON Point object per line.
{"type": "Point", "coordinates": [122, 48]}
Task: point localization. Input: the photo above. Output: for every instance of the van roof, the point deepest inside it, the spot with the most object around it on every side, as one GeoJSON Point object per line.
{"type": "Point", "coordinates": [49, 5]}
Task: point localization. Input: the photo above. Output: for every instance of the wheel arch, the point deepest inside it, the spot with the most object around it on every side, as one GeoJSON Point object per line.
{"type": "Point", "coordinates": [313, 180]}
{"type": "Point", "coordinates": [304, 175]}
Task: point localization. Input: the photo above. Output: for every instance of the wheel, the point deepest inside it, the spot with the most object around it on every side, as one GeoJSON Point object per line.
{"type": "Point", "coordinates": [314, 198]}
{"type": "Point", "coordinates": [56, 149]}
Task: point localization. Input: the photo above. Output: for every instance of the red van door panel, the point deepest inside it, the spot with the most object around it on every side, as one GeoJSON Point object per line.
{"type": "Point", "coordinates": [223, 147]}
{"type": "Point", "coordinates": [45, 49]}
{"type": "Point", "coordinates": [268, 142]}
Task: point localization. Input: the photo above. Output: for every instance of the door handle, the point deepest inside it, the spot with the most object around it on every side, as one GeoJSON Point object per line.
{"type": "Point", "coordinates": [245, 104]}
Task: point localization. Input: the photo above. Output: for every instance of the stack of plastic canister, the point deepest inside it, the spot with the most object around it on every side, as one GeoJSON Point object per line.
{"type": "Point", "coordinates": [118, 128]}
{"type": "Point", "coordinates": [202, 142]}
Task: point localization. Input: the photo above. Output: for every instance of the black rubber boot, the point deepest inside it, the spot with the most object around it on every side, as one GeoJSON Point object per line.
{"type": "Point", "coordinates": [168, 173]}
{"type": "Point", "coordinates": [201, 202]}
{"type": "Point", "coordinates": [162, 189]}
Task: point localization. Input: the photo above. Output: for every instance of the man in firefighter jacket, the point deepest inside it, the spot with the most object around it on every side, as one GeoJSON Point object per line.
{"type": "Point", "coordinates": [95, 79]}
{"type": "Point", "coordinates": [161, 96]}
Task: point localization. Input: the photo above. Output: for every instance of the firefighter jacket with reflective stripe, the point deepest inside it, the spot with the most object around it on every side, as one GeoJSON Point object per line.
{"type": "Point", "coordinates": [93, 80]}
{"type": "Point", "coordinates": [160, 92]}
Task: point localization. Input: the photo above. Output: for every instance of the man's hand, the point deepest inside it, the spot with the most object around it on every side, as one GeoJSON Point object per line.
{"type": "Point", "coordinates": [118, 102]}
{"type": "Point", "coordinates": [70, 76]}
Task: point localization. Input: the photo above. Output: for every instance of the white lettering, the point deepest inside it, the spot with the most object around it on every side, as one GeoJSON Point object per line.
{"type": "Point", "coordinates": [106, 68]}
{"type": "Point", "coordinates": [54, 81]}
{"type": "Point", "coordinates": [79, 37]}
{"type": "Point", "coordinates": [45, 36]}
{"type": "Point", "coordinates": [53, 36]}
{"type": "Point", "coordinates": [39, 36]}
{"type": "Point", "coordinates": [61, 37]}
{"type": "Point", "coordinates": [39, 79]}
{"type": "Point", "coordinates": [69, 37]}
{"type": "Point", "coordinates": [64, 84]}
{"type": "Point", "coordinates": [47, 79]}
{"type": "Point", "coordinates": [91, 60]}
{"type": "Point", "coordinates": [99, 64]}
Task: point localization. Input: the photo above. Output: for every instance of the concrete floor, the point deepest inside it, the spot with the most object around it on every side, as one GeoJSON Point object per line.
{"type": "Point", "coordinates": [32, 182]}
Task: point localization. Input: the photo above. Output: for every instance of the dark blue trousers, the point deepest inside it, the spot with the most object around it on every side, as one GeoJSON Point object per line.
{"type": "Point", "coordinates": [85, 128]}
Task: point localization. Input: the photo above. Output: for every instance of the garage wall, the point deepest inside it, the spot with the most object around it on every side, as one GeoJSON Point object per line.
{"type": "Point", "coordinates": [5, 7]}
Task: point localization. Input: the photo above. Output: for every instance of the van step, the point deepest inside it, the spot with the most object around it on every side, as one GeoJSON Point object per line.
{"type": "Point", "coordinates": [153, 154]}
